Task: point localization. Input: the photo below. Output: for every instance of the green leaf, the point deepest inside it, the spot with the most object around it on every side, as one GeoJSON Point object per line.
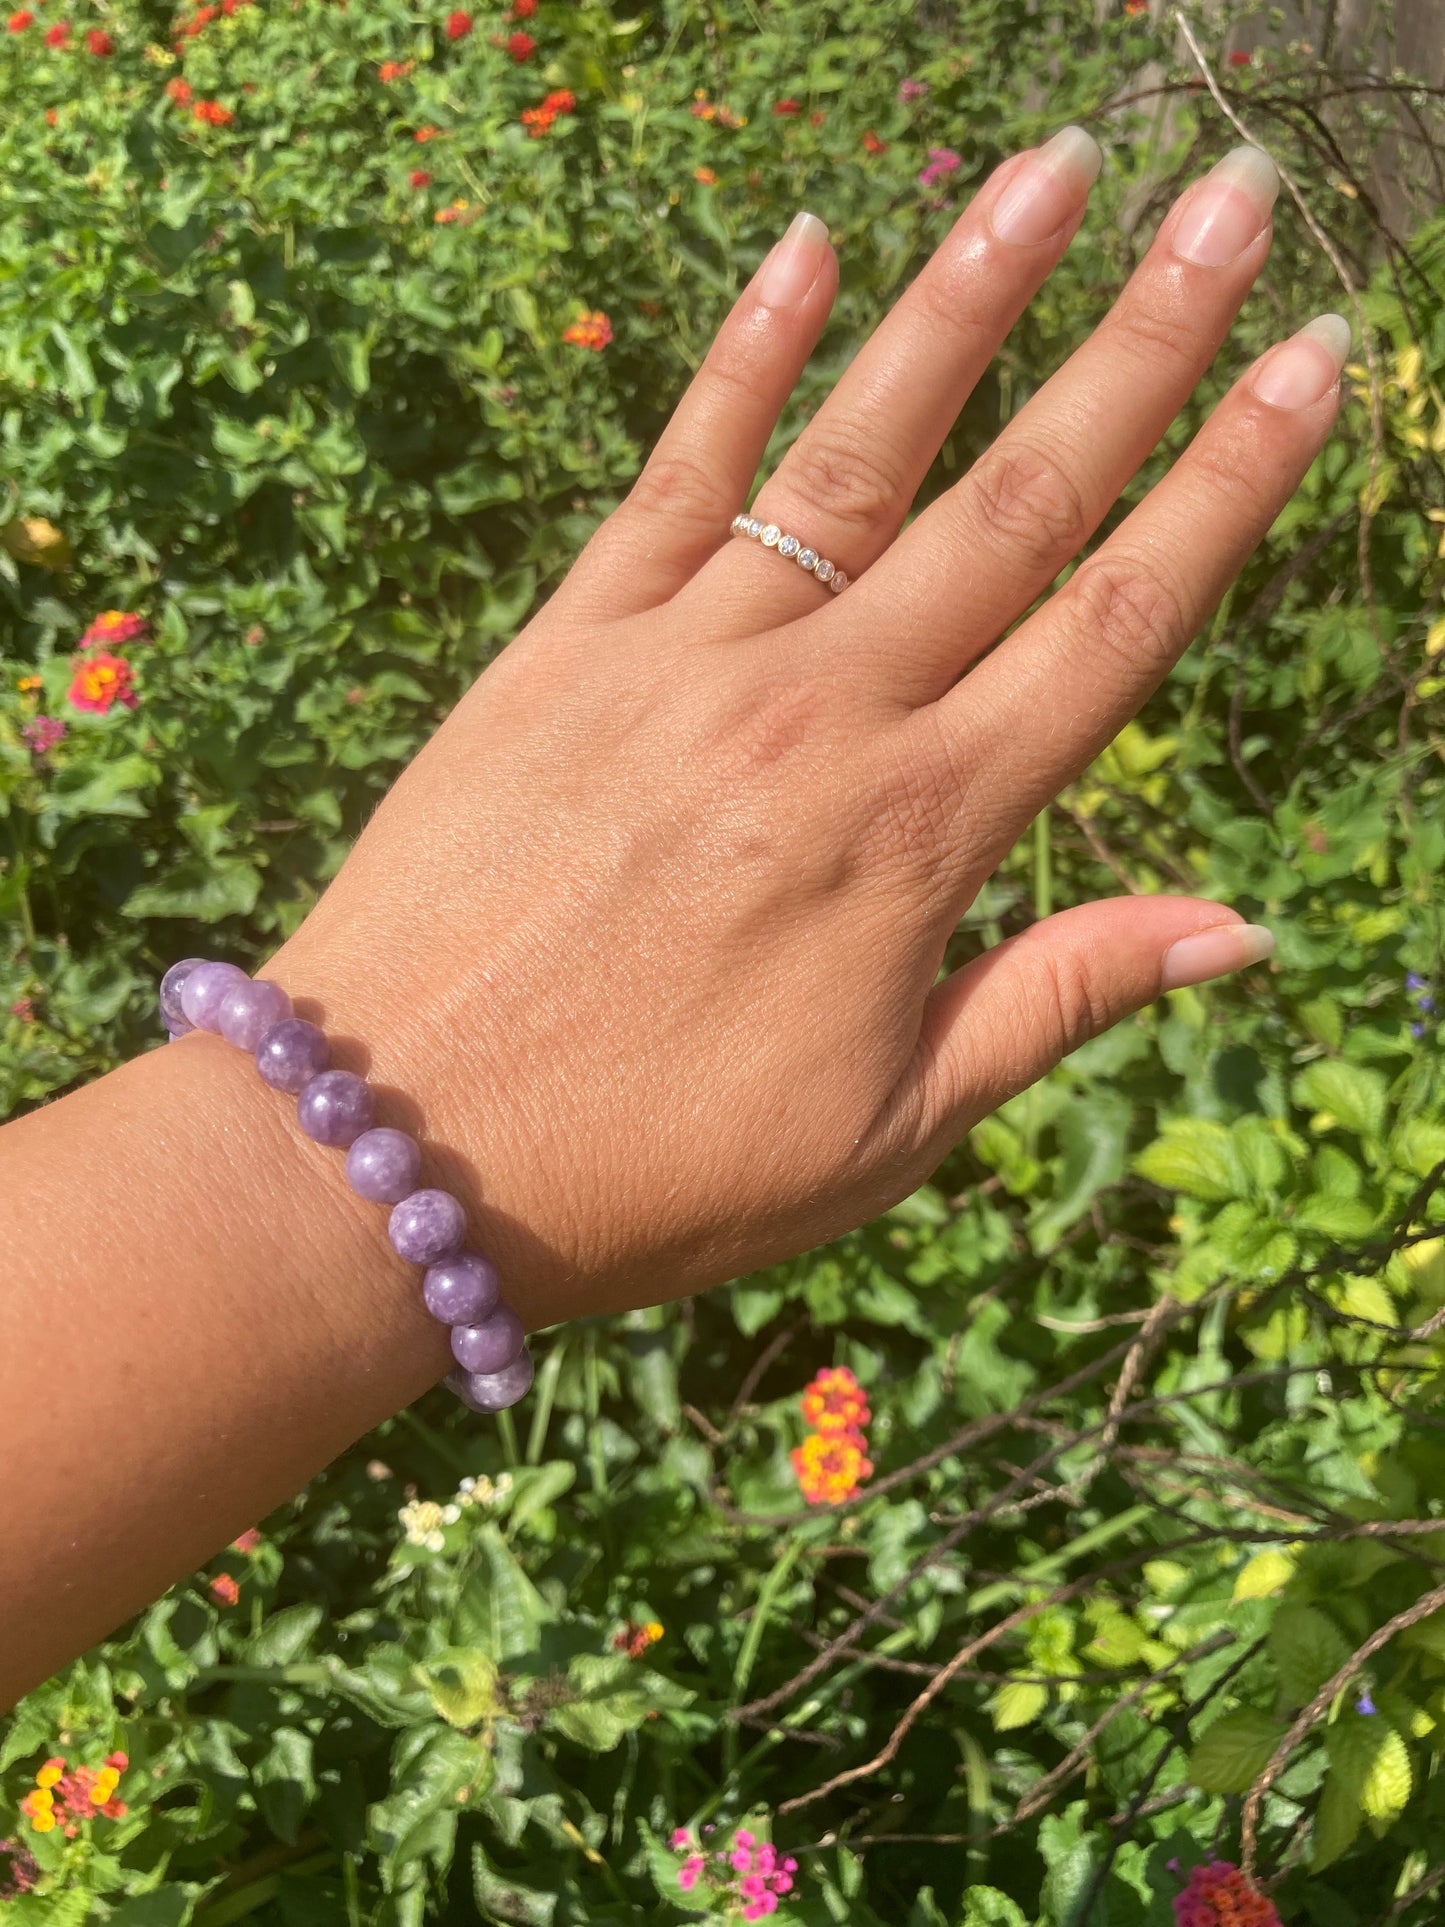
{"type": "Point", "coordinates": [500, 1897]}
{"type": "Point", "coordinates": [1093, 1133]}
{"type": "Point", "coordinates": [987, 1907]}
{"type": "Point", "coordinates": [1192, 1155]}
{"type": "Point", "coordinates": [1386, 1789]}
{"type": "Point", "coordinates": [1307, 1648]}
{"type": "Point", "coordinates": [500, 1611]}
{"type": "Point", "coordinates": [462, 1683]}
{"type": "Point", "coordinates": [285, 1634]}
{"type": "Point", "coordinates": [1232, 1753]}
{"type": "Point", "coordinates": [1018, 1703]}
{"type": "Point", "coordinates": [1337, 1819]}
{"type": "Point", "coordinates": [1266, 1573]}
{"type": "Point", "coordinates": [613, 1696]}
{"type": "Point", "coordinates": [206, 891]}
{"type": "Point", "coordinates": [1349, 1094]}
{"type": "Point", "coordinates": [284, 1781]}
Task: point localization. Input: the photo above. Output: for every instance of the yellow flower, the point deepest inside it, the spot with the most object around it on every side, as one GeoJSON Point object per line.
{"type": "Point", "coordinates": [43, 1798]}
{"type": "Point", "coordinates": [43, 1822]}
{"type": "Point", "coordinates": [27, 683]}
{"type": "Point", "coordinates": [653, 1630]}
{"type": "Point", "coordinates": [47, 1776]}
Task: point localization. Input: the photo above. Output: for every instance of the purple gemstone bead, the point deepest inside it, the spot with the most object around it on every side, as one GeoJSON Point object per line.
{"type": "Point", "coordinates": [182, 1029]}
{"type": "Point", "coordinates": [462, 1290]}
{"type": "Point", "coordinates": [249, 1010]}
{"type": "Point", "coordinates": [335, 1108]}
{"type": "Point", "coordinates": [494, 1391]}
{"type": "Point", "coordinates": [384, 1166]}
{"type": "Point", "coordinates": [491, 1345]}
{"type": "Point", "coordinates": [172, 984]}
{"type": "Point", "coordinates": [427, 1226]}
{"type": "Point", "coordinates": [291, 1053]}
{"type": "Point", "coordinates": [204, 991]}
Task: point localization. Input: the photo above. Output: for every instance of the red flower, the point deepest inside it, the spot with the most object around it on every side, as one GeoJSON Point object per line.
{"type": "Point", "coordinates": [834, 1401]}
{"type": "Point", "coordinates": [872, 144]}
{"type": "Point", "coordinates": [113, 625]}
{"type": "Point", "coordinates": [1239, 58]}
{"type": "Point", "coordinates": [420, 177]}
{"type": "Point", "coordinates": [103, 679]}
{"type": "Point", "coordinates": [424, 134]}
{"type": "Point", "coordinates": [100, 44]}
{"type": "Point", "coordinates": [18, 22]}
{"type": "Point", "coordinates": [523, 9]}
{"type": "Point", "coordinates": [248, 1541]}
{"type": "Point", "coordinates": [58, 35]}
{"type": "Point", "coordinates": [520, 46]}
{"type": "Point", "coordinates": [1218, 1894]}
{"type": "Point", "coordinates": [818, 117]}
{"type": "Point", "coordinates": [179, 91]}
{"type": "Point", "coordinates": [785, 109]}
{"type": "Point", "coordinates": [1133, 7]}
{"type": "Point", "coordinates": [563, 101]}
{"type": "Point", "coordinates": [51, 117]}
{"type": "Point", "coordinates": [592, 331]}
{"type": "Point", "coordinates": [224, 1590]}
{"type": "Point", "coordinates": [213, 113]}
{"type": "Point", "coordinates": [394, 69]}
{"type": "Point", "coordinates": [459, 25]}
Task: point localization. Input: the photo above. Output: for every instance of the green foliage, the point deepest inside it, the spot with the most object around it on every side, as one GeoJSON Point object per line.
{"type": "Point", "coordinates": [333, 451]}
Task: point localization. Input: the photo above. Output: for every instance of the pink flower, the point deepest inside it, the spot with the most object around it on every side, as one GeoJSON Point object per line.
{"type": "Point", "coordinates": [681, 1837]}
{"type": "Point", "coordinates": [42, 733]}
{"type": "Point", "coordinates": [912, 90]}
{"type": "Point", "coordinates": [752, 1887]}
{"type": "Point", "coordinates": [941, 161]}
{"type": "Point", "coordinates": [742, 1838]}
{"type": "Point", "coordinates": [741, 1859]}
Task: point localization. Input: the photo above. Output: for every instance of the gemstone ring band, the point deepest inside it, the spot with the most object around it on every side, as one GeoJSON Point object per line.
{"type": "Point", "coordinates": [793, 549]}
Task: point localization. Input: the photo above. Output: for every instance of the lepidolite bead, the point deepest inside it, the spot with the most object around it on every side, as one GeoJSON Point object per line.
{"type": "Point", "coordinates": [291, 1053]}
{"type": "Point", "coordinates": [383, 1165]}
{"type": "Point", "coordinates": [249, 1009]}
{"type": "Point", "coordinates": [427, 1226]}
{"type": "Point", "coordinates": [462, 1290]}
{"type": "Point", "coordinates": [172, 984]}
{"type": "Point", "coordinates": [490, 1346]}
{"type": "Point", "coordinates": [335, 1108]}
{"type": "Point", "coordinates": [204, 991]}
{"type": "Point", "coordinates": [493, 1391]}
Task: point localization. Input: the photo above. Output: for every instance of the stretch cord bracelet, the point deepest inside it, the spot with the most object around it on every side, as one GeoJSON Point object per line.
{"type": "Point", "coordinates": [427, 1227]}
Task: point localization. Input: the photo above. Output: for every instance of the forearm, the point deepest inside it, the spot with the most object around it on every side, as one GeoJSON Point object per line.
{"type": "Point", "coordinates": [196, 1315]}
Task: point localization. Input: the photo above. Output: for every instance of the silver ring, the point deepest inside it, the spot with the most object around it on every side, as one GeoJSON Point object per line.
{"type": "Point", "coordinates": [793, 549]}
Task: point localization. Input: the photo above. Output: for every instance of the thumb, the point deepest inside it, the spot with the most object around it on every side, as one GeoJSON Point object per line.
{"type": "Point", "coordinates": [994, 1027]}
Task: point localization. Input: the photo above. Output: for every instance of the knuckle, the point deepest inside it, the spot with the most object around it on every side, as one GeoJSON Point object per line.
{"type": "Point", "coordinates": [1073, 1005]}
{"type": "Point", "coordinates": [856, 483]}
{"type": "Point", "coordinates": [1129, 611]}
{"type": "Point", "coordinates": [1155, 331]}
{"type": "Point", "coordinates": [676, 484]}
{"type": "Point", "coordinates": [1029, 504]}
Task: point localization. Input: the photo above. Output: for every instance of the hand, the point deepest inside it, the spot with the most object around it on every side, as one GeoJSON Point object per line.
{"type": "Point", "coordinates": [651, 930]}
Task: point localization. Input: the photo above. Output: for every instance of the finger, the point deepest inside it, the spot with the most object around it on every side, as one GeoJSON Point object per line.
{"type": "Point", "coordinates": [996, 1026]}
{"type": "Point", "coordinates": [849, 480]}
{"type": "Point", "coordinates": [976, 559]}
{"type": "Point", "coordinates": [1049, 698]}
{"type": "Point", "coordinates": [699, 473]}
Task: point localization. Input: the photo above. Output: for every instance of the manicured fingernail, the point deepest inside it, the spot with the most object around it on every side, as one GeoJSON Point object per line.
{"type": "Point", "coordinates": [1047, 188]}
{"type": "Point", "coordinates": [792, 267]}
{"type": "Point", "coordinates": [1214, 953]}
{"type": "Point", "coordinates": [1227, 209]}
{"type": "Point", "coordinates": [1299, 371]}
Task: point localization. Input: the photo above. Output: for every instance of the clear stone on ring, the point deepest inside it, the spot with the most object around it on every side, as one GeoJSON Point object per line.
{"type": "Point", "coordinates": [825, 571]}
{"type": "Point", "coordinates": [807, 558]}
{"type": "Point", "coordinates": [771, 536]}
{"type": "Point", "coordinates": [839, 582]}
{"type": "Point", "coordinates": [754, 528]}
{"type": "Point", "coordinates": [789, 546]}
{"type": "Point", "coordinates": [740, 522]}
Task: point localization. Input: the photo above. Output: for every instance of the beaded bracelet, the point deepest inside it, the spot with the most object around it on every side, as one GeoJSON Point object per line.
{"type": "Point", "coordinates": [427, 1227]}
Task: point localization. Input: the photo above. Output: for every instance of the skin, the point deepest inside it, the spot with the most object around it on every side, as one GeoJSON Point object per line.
{"type": "Point", "coordinates": [645, 945]}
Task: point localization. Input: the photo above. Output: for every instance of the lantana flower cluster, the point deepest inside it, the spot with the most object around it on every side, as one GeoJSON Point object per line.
{"type": "Point", "coordinates": [19, 1869]}
{"type": "Point", "coordinates": [64, 1797]}
{"type": "Point", "coordinates": [832, 1462]}
{"type": "Point", "coordinates": [422, 1520]}
{"type": "Point", "coordinates": [1219, 1895]}
{"type": "Point", "coordinates": [101, 677]}
{"type": "Point", "coordinates": [746, 1878]}
{"type": "Point", "coordinates": [634, 1640]}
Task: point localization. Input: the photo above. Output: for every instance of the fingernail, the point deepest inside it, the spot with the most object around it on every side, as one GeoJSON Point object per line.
{"type": "Point", "coordinates": [1047, 189]}
{"type": "Point", "coordinates": [1227, 209]}
{"type": "Point", "coordinates": [792, 266]}
{"type": "Point", "coordinates": [1299, 371]}
{"type": "Point", "coordinates": [1214, 953]}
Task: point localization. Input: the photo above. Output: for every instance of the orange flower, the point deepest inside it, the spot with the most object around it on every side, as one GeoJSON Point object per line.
{"type": "Point", "coordinates": [420, 178]}
{"type": "Point", "coordinates": [592, 331]}
{"type": "Point", "coordinates": [18, 22]}
{"type": "Point", "coordinates": [872, 144]}
{"type": "Point", "coordinates": [224, 1590]}
{"type": "Point", "coordinates": [114, 625]}
{"type": "Point", "coordinates": [537, 120]}
{"type": "Point", "coordinates": [830, 1468]}
{"type": "Point", "coordinates": [705, 175]}
{"type": "Point", "coordinates": [100, 44]}
{"type": "Point", "coordinates": [562, 101]}
{"type": "Point", "coordinates": [1133, 7]}
{"type": "Point", "coordinates": [394, 69]}
{"type": "Point", "coordinates": [835, 1402]}
{"type": "Point", "coordinates": [446, 215]}
{"type": "Point", "coordinates": [213, 113]}
{"type": "Point", "coordinates": [425, 134]}
{"type": "Point", "coordinates": [180, 91]}
{"type": "Point", "coordinates": [103, 679]}
{"type": "Point", "coordinates": [248, 1541]}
